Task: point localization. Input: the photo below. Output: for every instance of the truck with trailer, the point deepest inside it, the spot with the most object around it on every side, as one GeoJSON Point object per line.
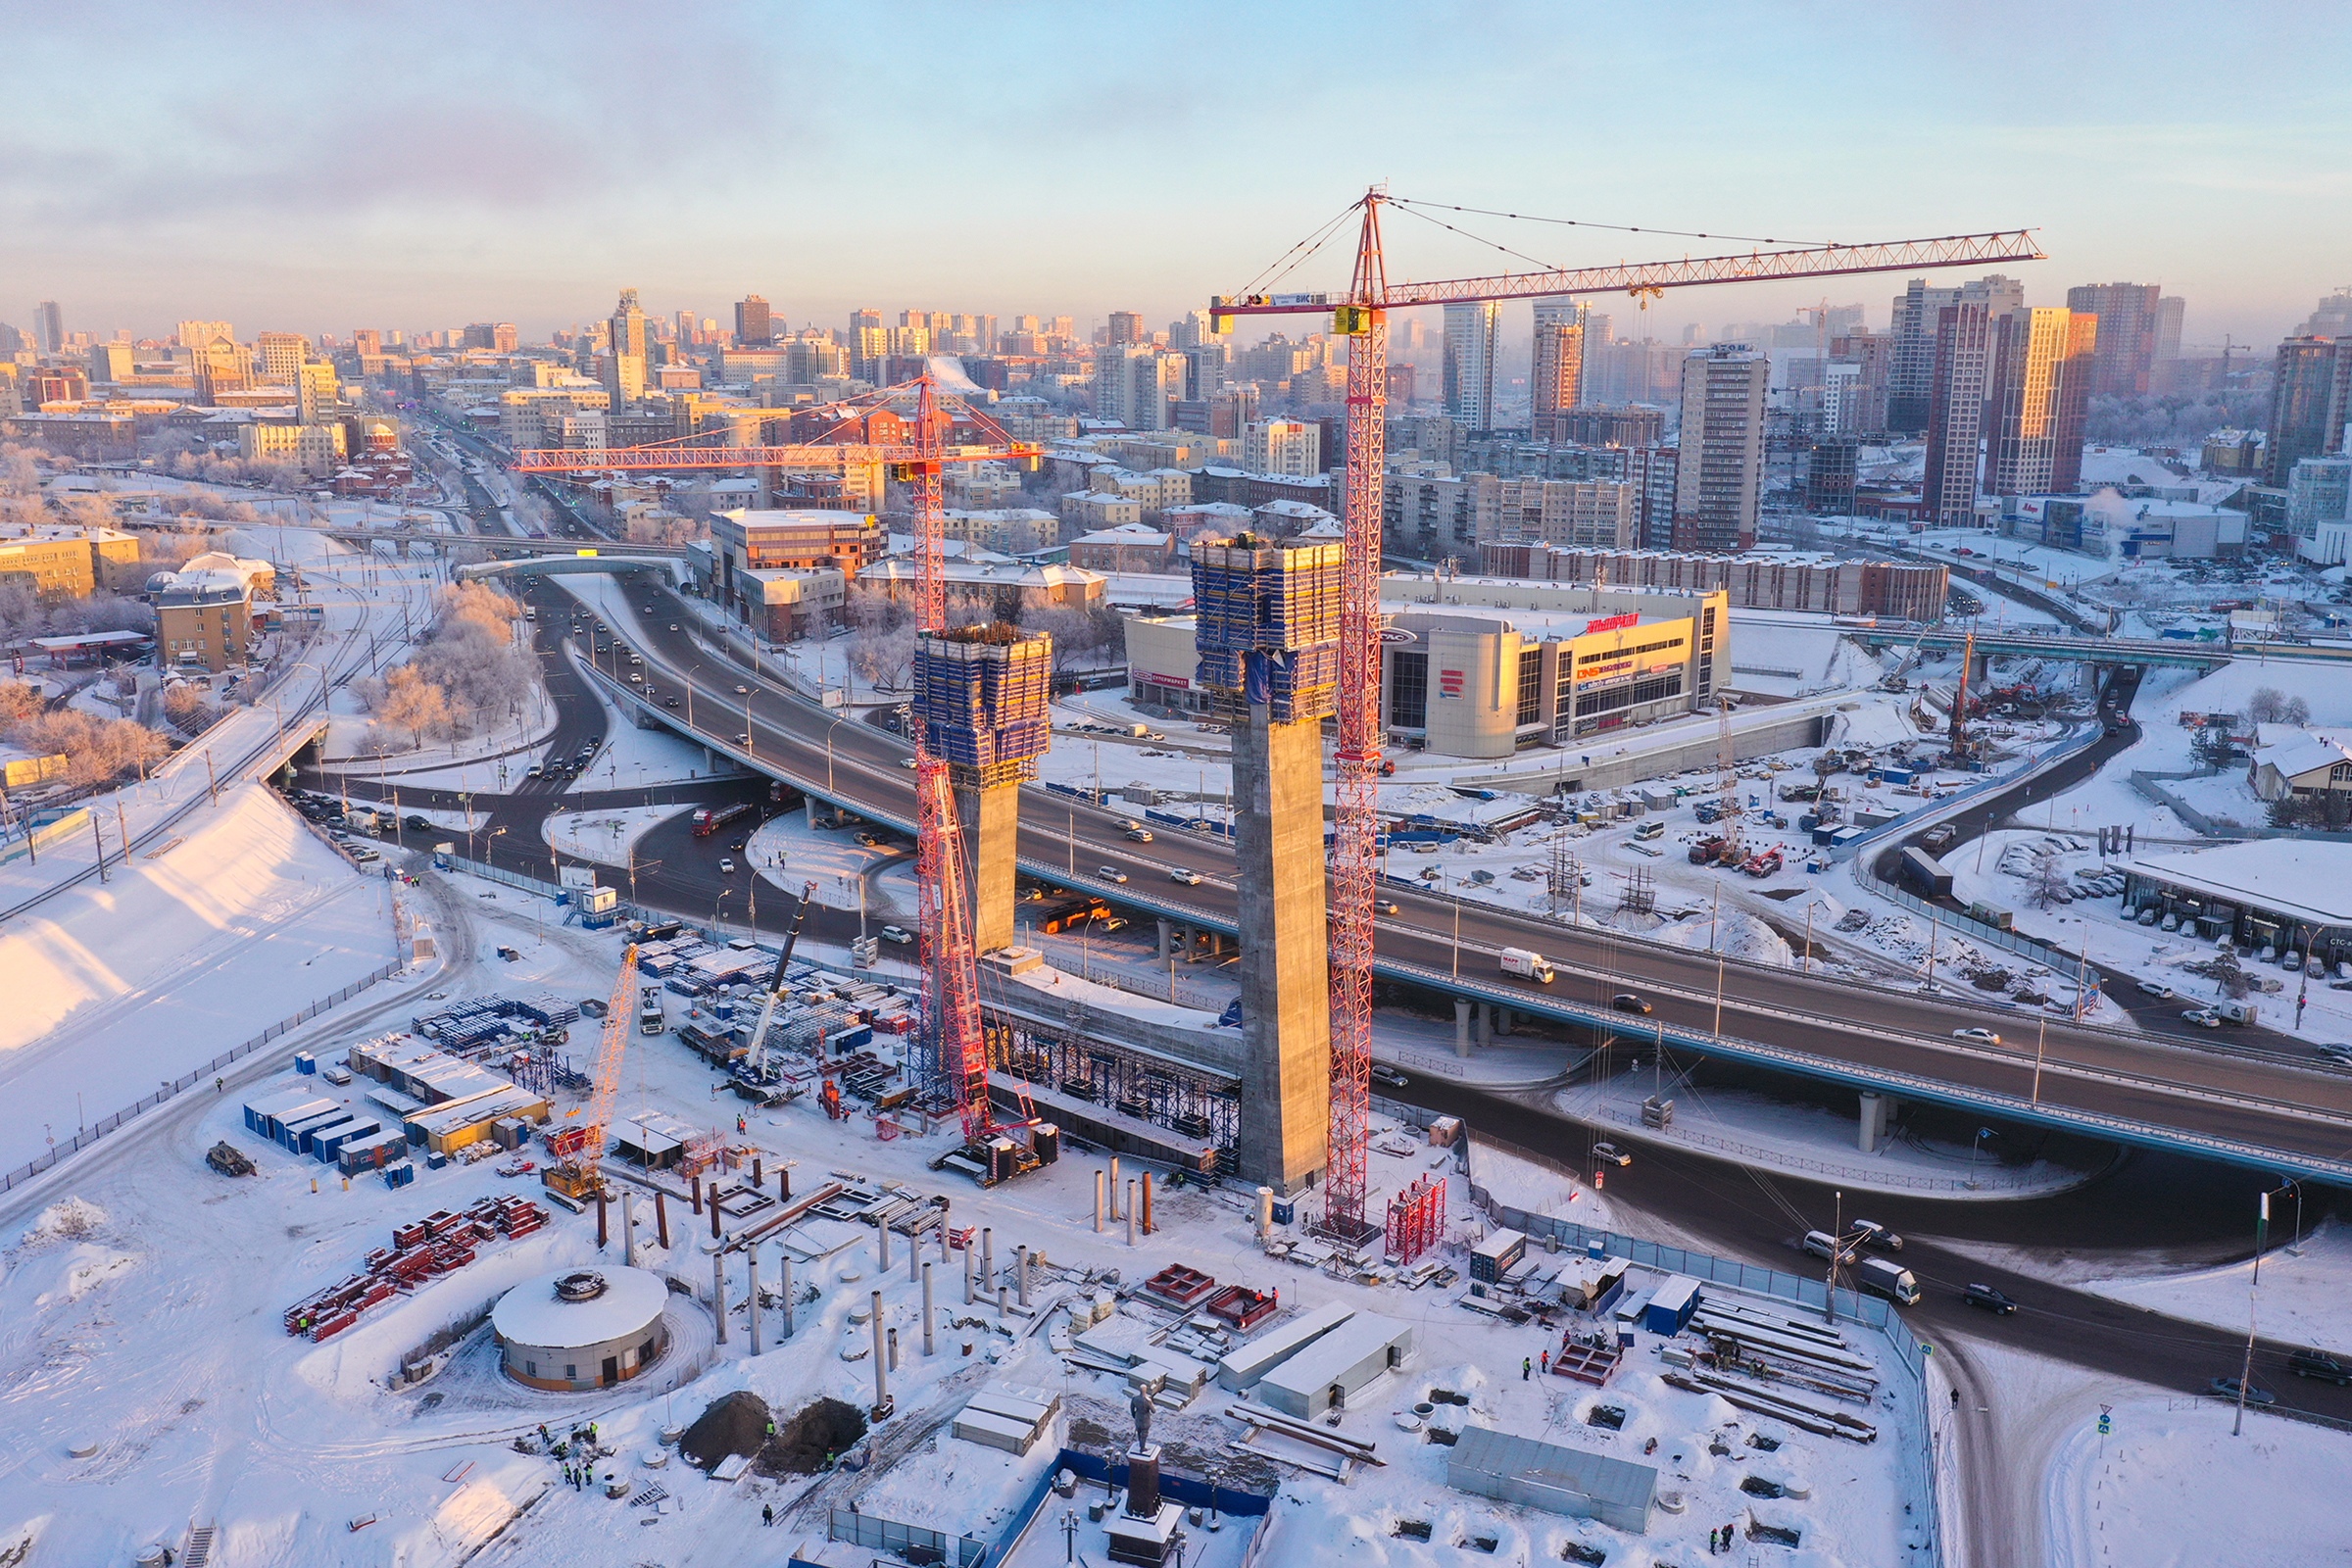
{"type": "Point", "coordinates": [709, 819]}
{"type": "Point", "coordinates": [1926, 874]}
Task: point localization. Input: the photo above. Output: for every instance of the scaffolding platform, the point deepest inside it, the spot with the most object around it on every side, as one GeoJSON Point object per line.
{"type": "Point", "coordinates": [981, 694]}
{"type": "Point", "coordinates": [1268, 622]}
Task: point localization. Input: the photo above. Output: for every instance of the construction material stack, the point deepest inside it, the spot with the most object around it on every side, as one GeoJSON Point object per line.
{"type": "Point", "coordinates": [441, 1242]}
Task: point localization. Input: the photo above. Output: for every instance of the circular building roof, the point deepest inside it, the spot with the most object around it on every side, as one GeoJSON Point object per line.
{"type": "Point", "coordinates": [578, 1308]}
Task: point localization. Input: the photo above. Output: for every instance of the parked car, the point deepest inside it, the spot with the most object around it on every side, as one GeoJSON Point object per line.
{"type": "Point", "coordinates": [898, 934]}
{"type": "Point", "coordinates": [2320, 1366]}
{"type": "Point", "coordinates": [1980, 1036]}
{"type": "Point", "coordinates": [1389, 1076]}
{"type": "Point", "coordinates": [1628, 1001]}
{"type": "Point", "coordinates": [1991, 1299]}
{"type": "Point", "coordinates": [1110, 873]}
{"type": "Point", "coordinates": [1190, 879]}
{"type": "Point", "coordinates": [2227, 1389]}
{"type": "Point", "coordinates": [1607, 1154]}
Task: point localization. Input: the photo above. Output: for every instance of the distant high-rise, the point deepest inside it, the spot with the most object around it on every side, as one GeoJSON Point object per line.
{"type": "Point", "coordinates": [1855, 404]}
{"type": "Point", "coordinates": [2127, 313]}
{"type": "Point", "coordinates": [278, 357]}
{"type": "Point", "coordinates": [2311, 397]}
{"type": "Point", "coordinates": [1558, 377]}
{"type": "Point", "coordinates": [1126, 328]}
{"type": "Point", "coordinates": [1292, 447]}
{"type": "Point", "coordinates": [2169, 311]}
{"type": "Point", "coordinates": [2040, 367]}
{"type": "Point", "coordinates": [204, 334]}
{"type": "Point", "coordinates": [317, 391]}
{"type": "Point", "coordinates": [2331, 318]}
{"type": "Point", "coordinates": [1719, 479]}
{"type": "Point", "coordinates": [1471, 335]}
{"type": "Point", "coordinates": [1911, 356]}
{"type": "Point", "coordinates": [504, 337]}
{"type": "Point", "coordinates": [625, 366]}
{"type": "Point", "coordinates": [49, 327]}
{"type": "Point", "coordinates": [754, 327]}
{"type": "Point", "coordinates": [1956, 412]}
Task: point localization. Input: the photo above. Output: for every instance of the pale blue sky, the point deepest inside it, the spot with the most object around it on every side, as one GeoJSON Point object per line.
{"type": "Point", "coordinates": [321, 167]}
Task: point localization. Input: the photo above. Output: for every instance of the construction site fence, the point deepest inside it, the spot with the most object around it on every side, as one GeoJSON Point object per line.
{"type": "Point", "coordinates": [186, 1081]}
{"type": "Point", "coordinates": [887, 1535]}
{"type": "Point", "coordinates": [1845, 1306]}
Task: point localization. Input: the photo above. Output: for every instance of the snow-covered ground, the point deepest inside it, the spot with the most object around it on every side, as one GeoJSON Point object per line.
{"type": "Point", "coordinates": [2305, 1295]}
{"type": "Point", "coordinates": [1753, 1129]}
{"type": "Point", "coordinates": [141, 1323]}
{"type": "Point", "coordinates": [245, 919]}
{"type": "Point", "coordinates": [790, 854]}
{"type": "Point", "coordinates": [2169, 1485]}
{"type": "Point", "coordinates": [607, 836]}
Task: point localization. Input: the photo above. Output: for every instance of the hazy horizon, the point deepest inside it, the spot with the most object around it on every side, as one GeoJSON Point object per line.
{"type": "Point", "coordinates": [421, 168]}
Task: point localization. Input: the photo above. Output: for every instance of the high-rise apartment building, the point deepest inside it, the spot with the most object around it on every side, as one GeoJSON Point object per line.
{"type": "Point", "coordinates": [1855, 404]}
{"type": "Point", "coordinates": [1558, 376]}
{"type": "Point", "coordinates": [2311, 398]}
{"type": "Point", "coordinates": [2041, 365]}
{"type": "Point", "coordinates": [624, 363]}
{"type": "Point", "coordinates": [1139, 386]}
{"type": "Point", "coordinates": [1126, 328]}
{"type": "Point", "coordinates": [1283, 446]}
{"type": "Point", "coordinates": [278, 357]}
{"type": "Point", "coordinates": [2127, 313]}
{"type": "Point", "coordinates": [317, 392]}
{"type": "Point", "coordinates": [1956, 412]}
{"type": "Point", "coordinates": [49, 327]}
{"type": "Point", "coordinates": [1472, 332]}
{"type": "Point", "coordinates": [2169, 309]}
{"type": "Point", "coordinates": [1911, 361]}
{"type": "Point", "coordinates": [204, 334]}
{"type": "Point", "coordinates": [1719, 480]}
{"type": "Point", "coordinates": [754, 327]}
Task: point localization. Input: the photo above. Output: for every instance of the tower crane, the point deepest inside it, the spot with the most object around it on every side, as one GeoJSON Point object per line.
{"type": "Point", "coordinates": [1360, 314]}
{"type": "Point", "coordinates": [756, 1062]}
{"type": "Point", "coordinates": [953, 1053]}
{"type": "Point", "coordinates": [579, 1150]}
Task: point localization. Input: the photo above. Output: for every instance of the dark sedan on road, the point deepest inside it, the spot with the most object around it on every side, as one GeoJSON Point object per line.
{"type": "Point", "coordinates": [1628, 1001]}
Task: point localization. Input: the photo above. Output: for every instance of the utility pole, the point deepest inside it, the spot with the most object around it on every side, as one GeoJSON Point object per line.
{"type": "Point", "coordinates": [2245, 1372]}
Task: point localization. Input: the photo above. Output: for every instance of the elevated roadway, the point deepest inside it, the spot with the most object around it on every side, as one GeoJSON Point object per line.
{"type": "Point", "coordinates": [2258, 1110]}
{"type": "Point", "coordinates": [2146, 652]}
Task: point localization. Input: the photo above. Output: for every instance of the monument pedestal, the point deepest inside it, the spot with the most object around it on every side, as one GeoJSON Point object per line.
{"type": "Point", "coordinates": [1145, 1527]}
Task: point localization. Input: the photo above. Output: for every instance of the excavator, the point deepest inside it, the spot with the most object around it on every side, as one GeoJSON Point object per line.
{"type": "Point", "coordinates": [576, 1177]}
{"type": "Point", "coordinates": [754, 1078]}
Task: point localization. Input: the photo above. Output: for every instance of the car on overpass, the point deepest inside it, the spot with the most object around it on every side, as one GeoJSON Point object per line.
{"type": "Point", "coordinates": [1110, 873]}
{"type": "Point", "coordinates": [1983, 1037]}
{"type": "Point", "coordinates": [1628, 1001]}
{"type": "Point", "coordinates": [1189, 878]}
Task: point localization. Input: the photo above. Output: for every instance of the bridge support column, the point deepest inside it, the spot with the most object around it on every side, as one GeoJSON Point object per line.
{"type": "Point", "coordinates": [1878, 1111]}
{"type": "Point", "coordinates": [1504, 1019]}
{"type": "Point", "coordinates": [1461, 1026]}
{"type": "Point", "coordinates": [1166, 931]}
{"type": "Point", "coordinates": [1485, 1019]}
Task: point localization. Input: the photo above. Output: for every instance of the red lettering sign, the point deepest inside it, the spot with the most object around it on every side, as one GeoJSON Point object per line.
{"type": "Point", "coordinates": [1612, 623]}
{"type": "Point", "coordinates": [1449, 683]}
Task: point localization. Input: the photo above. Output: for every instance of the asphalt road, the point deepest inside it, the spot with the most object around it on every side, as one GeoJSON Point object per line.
{"type": "Point", "coordinates": [2267, 1103]}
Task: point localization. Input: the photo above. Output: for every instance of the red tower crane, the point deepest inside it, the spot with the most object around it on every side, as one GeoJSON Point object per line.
{"type": "Point", "coordinates": [1360, 314]}
{"type": "Point", "coordinates": [951, 1032]}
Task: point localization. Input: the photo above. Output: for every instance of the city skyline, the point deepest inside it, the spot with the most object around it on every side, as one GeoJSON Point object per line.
{"type": "Point", "coordinates": [493, 170]}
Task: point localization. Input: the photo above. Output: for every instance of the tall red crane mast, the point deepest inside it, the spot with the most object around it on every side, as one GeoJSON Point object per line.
{"type": "Point", "coordinates": [951, 981]}
{"type": "Point", "coordinates": [1360, 314]}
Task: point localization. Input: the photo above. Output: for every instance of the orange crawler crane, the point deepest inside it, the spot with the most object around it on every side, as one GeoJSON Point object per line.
{"type": "Point", "coordinates": [578, 1149]}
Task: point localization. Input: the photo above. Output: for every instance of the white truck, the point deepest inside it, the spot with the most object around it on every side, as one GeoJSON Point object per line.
{"type": "Point", "coordinates": [1881, 1277]}
{"type": "Point", "coordinates": [1527, 965]}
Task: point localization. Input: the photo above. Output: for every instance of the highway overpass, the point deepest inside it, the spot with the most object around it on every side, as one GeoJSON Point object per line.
{"type": "Point", "coordinates": [2269, 1112]}
{"type": "Point", "coordinates": [2147, 652]}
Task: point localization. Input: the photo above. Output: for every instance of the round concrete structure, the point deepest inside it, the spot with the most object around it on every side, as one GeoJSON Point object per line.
{"type": "Point", "coordinates": [582, 1328]}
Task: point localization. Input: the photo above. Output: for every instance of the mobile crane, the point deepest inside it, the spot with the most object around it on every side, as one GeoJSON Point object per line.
{"type": "Point", "coordinates": [751, 1074]}
{"type": "Point", "coordinates": [576, 1177]}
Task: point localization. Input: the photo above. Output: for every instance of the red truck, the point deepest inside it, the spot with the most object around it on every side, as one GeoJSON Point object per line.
{"type": "Point", "coordinates": [708, 821]}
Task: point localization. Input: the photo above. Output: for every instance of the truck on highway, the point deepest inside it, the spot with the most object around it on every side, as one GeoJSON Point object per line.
{"type": "Point", "coordinates": [1527, 965]}
{"type": "Point", "coordinates": [1891, 1280]}
{"type": "Point", "coordinates": [710, 819]}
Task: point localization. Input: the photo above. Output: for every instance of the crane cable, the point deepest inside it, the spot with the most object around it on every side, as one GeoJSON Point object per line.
{"type": "Point", "coordinates": [1620, 228]}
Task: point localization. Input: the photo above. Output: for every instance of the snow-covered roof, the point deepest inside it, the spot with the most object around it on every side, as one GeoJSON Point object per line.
{"type": "Point", "coordinates": [2301, 752]}
{"type": "Point", "coordinates": [2302, 878]}
{"type": "Point", "coordinates": [533, 1314]}
{"type": "Point", "coordinates": [1126, 533]}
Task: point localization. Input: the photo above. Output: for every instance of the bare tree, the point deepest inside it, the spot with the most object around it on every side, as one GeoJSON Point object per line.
{"type": "Point", "coordinates": [2268, 705]}
{"type": "Point", "coordinates": [2045, 879]}
{"type": "Point", "coordinates": [2296, 712]}
{"type": "Point", "coordinates": [97, 751]}
{"type": "Point", "coordinates": [413, 703]}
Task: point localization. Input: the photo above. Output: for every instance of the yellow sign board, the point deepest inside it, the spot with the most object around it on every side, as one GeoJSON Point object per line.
{"type": "Point", "coordinates": [34, 770]}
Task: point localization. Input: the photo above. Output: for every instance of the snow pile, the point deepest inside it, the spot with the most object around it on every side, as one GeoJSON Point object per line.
{"type": "Point", "coordinates": [1738, 934]}
{"type": "Point", "coordinates": [87, 1267]}
{"type": "Point", "coordinates": [69, 1219]}
{"type": "Point", "coordinates": [1516, 1182]}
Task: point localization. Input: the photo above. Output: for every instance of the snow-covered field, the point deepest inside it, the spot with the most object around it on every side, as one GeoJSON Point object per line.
{"type": "Point", "coordinates": [245, 919]}
{"type": "Point", "coordinates": [2305, 1295]}
{"type": "Point", "coordinates": [607, 836]}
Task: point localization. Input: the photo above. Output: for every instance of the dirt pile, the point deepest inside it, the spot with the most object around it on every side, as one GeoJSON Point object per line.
{"type": "Point", "coordinates": [802, 1445]}
{"type": "Point", "coordinates": [734, 1424]}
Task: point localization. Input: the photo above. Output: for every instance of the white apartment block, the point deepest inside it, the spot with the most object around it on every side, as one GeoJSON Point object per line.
{"type": "Point", "coordinates": [1283, 446]}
